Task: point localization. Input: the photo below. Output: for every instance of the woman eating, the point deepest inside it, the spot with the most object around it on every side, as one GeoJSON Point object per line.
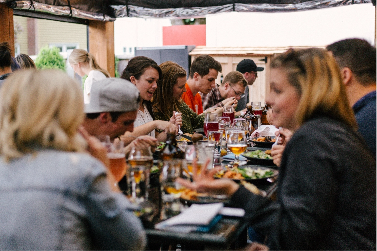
{"type": "Point", "coordinates": [145, 73]}
{"type": "Point", "coordinates": [326, 196]}
{"type": "Point", "coordinates": [167, 98]}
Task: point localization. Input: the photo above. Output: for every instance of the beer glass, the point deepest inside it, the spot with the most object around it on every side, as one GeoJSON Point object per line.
{"type": "Point", "coordinates": [117, 158]}
{"type": "Point", "coordinates": [237, 143]}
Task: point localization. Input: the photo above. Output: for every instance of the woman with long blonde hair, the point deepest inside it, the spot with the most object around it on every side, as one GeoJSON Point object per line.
{"type": "Point", "coordinates": [84, 63]}
{"type": "Point", "coordinates": [54, 195]}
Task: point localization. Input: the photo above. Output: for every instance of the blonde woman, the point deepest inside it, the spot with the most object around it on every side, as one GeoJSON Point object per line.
{"type": "Point", "coordinates": [326, 197]}
{"type": "Point", "coordinates": [84, 63]}
{"type": "Point", "coordinates": [54, 194]}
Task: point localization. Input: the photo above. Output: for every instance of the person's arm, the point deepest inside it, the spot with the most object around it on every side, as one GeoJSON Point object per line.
{"type": "Point", "coordinates": [113, 225]}
{"type": "Point", "coordinates": [146, 129]}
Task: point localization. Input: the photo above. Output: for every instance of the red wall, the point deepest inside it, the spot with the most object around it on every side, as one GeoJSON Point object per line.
{"type": "Point", "coordinates": [184, 35]}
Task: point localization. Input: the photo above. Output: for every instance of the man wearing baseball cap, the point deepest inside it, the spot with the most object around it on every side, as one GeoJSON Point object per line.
{"type": "Point", "coordinates": [113, 107]}
{"type": "Point", "coordinates": [249, 70]}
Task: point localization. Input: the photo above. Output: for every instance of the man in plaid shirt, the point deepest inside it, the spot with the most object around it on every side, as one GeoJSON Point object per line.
{"type": "Point", "coordinates": [228, 93]}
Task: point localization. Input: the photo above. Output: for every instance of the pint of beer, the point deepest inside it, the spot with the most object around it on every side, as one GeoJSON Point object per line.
{"type": "Point", "coordinates": [117, 160]}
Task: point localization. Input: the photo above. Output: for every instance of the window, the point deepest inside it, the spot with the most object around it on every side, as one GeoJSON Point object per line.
{"type": "Point", "coordinates": [64, 47]}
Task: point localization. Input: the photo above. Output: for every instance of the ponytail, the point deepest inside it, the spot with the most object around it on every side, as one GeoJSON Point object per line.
{"type": "Point", "coordinates": [94, 65]}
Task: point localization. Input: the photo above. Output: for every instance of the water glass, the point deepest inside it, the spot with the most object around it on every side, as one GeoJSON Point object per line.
{"type": "Point", "coordinates": [170, 189]}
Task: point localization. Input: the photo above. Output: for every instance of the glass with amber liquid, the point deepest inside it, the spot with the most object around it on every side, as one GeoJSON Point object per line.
{"type": "Point", "coordinates": [140, 161]}
{"type": "Point", "coordinates": [170, 189]}
{"type": "Point", "coordinates": [237, 143]}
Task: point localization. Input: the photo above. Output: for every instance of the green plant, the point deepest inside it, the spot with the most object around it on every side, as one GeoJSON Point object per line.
{"type": "Point", "coordinates": [50, 58]}
{"type": "Point", "coordinates": [117, 75]}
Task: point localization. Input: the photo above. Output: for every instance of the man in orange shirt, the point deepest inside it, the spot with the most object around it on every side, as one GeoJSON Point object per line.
{"type": "Point", "coordinates": [203, 73]}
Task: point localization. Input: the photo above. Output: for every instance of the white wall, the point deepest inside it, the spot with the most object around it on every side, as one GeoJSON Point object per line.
{"type": "Point", "coordinates": [138, 32]}
{"type": "Point", "coordinates": [302, 28]}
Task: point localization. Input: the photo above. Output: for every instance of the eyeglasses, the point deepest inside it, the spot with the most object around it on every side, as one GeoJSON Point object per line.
{"type": "Point", "coordinates": [256, 73]}
{"type": "Point", "coordinates": [239, 94]}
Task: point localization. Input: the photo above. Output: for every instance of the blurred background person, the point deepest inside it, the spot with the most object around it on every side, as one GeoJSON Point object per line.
{"type": "Point", "coordinates": [230, 91]}
{"type": "Point", "coordinates": [5, 61]}
{"type": "Point", "coordinates": [25, 62]}
{"type": "Point", "coordinates": [144, 73]}
{"type": "Point", "coordinates": [250, 72]}
{"type": "Point", "coordinates": [327, 177]}
{"type": "Point", "coordinates": [357, 61]}
{"type": "Point", "coordinates": [84, 63]}
{"type": "Point", "coordinates": [167, 98]}
{"type": "Point", "coordinates": [59, 196]}
{"type": "Point", "coordinates": [203, 73]}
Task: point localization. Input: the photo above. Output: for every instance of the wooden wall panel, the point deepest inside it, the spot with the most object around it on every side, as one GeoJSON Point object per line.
{"type": "Point", "coordinates": [101, 44]}
{"type": "Point", "coordinates": [6, 26]}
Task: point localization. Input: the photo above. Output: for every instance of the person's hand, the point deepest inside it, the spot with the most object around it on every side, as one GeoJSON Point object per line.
{"type": "Point", "coordinates": [176, 119]}
{"type": "Point", "coordinates": [99, 151]}
{"type": "Point", "coordinates": [144, 141]}
{"type": "Point", "coordinates": [255, 246]}
{"type": "Point", "coordinates": [277, 154]}
{"type": "Point", "coordinates": [284, 135]}
{"type": "Point", "coordinates": [166, 126]}
{"type": "Point", "coordinates": [204, 182]}
{"type": "Point", "coordinates": [277, 150]}
{"type": "Point", "coordinates": [229, 101]}
{"type": "Point", "coordinates": [95, 147]}
{"type": "Point", "coordinates": [217, 110]}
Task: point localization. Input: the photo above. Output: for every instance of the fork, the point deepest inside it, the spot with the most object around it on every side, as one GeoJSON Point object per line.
{"type": "Point", "coordinates": [179, 127]}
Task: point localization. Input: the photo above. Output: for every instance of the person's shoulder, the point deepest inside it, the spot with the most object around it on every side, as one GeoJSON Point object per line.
{"type": "Point", "coordinates": [80, 163]}
{"type": "Point", "coordinates": [95, 74]}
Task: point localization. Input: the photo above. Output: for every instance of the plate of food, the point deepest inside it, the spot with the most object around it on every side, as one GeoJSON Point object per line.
{"type": "Point", "coordinates": [259, 157]}
{"type": "Point", "coordinates": [252, 173]}
{"type": "Point", "coordinates": [265, 142]}
{"type": "Point", "coordinates": [189, 197]}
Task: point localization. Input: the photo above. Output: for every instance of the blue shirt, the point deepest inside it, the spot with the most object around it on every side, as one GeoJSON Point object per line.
{"type": "Point", "coordinates": [365, 113]}
{"type": "Point", "coordinates": [55, 200]}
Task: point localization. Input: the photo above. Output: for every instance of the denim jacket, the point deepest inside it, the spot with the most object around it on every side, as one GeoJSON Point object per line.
{"type": "Point", "coordinates": [60, 200]}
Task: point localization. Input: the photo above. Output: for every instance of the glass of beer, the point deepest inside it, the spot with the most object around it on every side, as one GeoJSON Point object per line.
{"type": "Point", "coordinates": [140, 162]}
{"type": "Point", "coordinates": [237, 143]}
{"type": "Point", "coordinates": [117, 158]}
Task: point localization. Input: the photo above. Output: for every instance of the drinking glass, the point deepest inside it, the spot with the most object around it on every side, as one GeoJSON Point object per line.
{"type": "Point", "coordinates": [237, 143]}
{"type": "Point", "coordinates": [224, 122]}
{"type": "Point", "coordinates": [170, 189]}
{"type": "Point", "coordinates": [229, 112]}
{"type": "Point", "coordinates": [190, 156]}
{"type": "Point", "coordinates": [140, 160]}
{"type": "Point", "coordinates": [257, 108]}
{"type": "Point", "coordinates": [210, 123]}
{"type": "Point", "coordinates": [117, 159]}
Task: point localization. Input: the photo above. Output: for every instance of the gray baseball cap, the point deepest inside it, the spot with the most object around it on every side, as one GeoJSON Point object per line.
{"type": "Point", "coordinates": [113, 95]}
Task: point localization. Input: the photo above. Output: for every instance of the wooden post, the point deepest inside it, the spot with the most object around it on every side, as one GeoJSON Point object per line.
{"type": "Point", "coordinates": [6, 26]}
{"type": "Point", "coordinates": [101, 44]}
